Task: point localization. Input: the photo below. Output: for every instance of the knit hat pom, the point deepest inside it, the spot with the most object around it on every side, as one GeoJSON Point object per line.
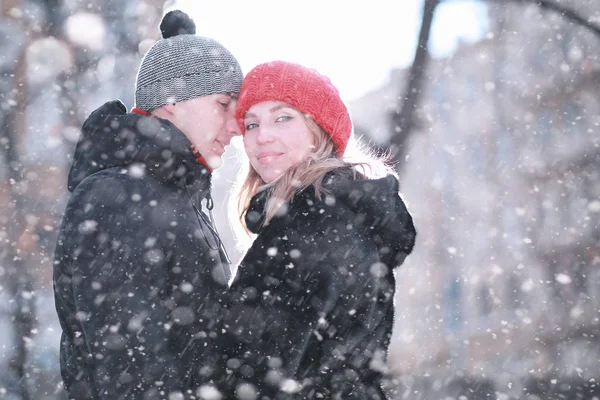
{"type": "Point", "coordinates": [175, 23]}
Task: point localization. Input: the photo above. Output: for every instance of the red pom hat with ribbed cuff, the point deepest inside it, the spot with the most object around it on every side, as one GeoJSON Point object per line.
{"type": "Point", "coordinates": [302, 88]}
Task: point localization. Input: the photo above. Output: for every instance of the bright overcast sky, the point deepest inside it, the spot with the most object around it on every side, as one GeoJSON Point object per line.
{"type": "Point", "coordinates": [355, 43]}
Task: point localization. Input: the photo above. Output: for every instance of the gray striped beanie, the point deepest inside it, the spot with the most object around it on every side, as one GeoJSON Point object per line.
{"type": "Point", "coordinates": [183, 66]}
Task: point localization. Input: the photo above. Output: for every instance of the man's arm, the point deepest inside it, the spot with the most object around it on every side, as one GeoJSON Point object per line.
{"type": "Point", "coordinates": [118, 274]}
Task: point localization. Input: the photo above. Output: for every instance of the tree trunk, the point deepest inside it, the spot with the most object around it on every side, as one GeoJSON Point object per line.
{"type": "Point", "coordinates": [403, 119]}
{"type": "Point", "coordinates": [19, 281]}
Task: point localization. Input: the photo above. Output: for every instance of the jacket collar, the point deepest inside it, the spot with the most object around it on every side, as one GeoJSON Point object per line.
{"type": "Point", "coordinates": [375, 204]}
{"type": "Point", "coordinates": [111, 137]}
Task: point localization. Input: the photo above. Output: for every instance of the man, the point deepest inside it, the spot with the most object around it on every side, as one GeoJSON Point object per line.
{"type": "Point", "coordinates": [138, 265]}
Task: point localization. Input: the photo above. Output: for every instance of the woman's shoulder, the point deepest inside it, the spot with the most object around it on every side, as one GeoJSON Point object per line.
{"type": "Point", "coordinates": [342, 174]}
{"type": "Point", "coordinates": [346, 192]}
{"type": "Point", "coordinates": [320, 199]}
{"type": "Point", "coordinates": [348, 181]}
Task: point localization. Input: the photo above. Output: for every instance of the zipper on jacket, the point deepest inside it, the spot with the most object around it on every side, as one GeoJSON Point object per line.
{"type": "Point", "coordinates": [212, 228]}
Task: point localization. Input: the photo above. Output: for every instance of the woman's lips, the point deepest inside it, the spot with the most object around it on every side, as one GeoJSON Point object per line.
{"type": "Point", "coordinates": [266, 157]}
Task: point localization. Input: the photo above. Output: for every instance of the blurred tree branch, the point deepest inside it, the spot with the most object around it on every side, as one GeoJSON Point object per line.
{"type": "Point", "coordinates": [403, 119]}
{"type": "Point", "coordinates": [19, 279]}
{"type": "Point", "coordinates": [53, 24]}
{"type": "Point", "coordinates": [564, 11]}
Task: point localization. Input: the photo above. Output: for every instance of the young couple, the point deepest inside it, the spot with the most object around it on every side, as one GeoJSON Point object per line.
{"type": "Point", "coordinates": [143, 288]}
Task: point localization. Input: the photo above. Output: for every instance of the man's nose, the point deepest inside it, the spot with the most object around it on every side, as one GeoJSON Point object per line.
{"type": "Point", "coordinates": [233, 129]}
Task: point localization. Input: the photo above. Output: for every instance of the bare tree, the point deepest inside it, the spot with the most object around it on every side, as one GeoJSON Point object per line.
{"type": "Point", "coordinates": [564, 11]}
{"type": "Point", "coordinates": [403, 119]}
{"type": "Point", "coordinates": [19, 281]}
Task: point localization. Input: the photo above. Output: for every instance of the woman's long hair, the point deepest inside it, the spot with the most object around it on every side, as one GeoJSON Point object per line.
{"type": "Point", "coordinates": [311, 171]}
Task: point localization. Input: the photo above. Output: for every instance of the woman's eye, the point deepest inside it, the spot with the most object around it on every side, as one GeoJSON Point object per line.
{"type": "Point", "coordinates": [283, 118]}
{"type": "Point", "coordinates": [251, 126]}
{"type": "Point", "coordinates": [225, 105]}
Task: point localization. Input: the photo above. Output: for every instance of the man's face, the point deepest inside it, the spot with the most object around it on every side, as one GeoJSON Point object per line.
{"type": "Point", "coordinates": [209, 124]}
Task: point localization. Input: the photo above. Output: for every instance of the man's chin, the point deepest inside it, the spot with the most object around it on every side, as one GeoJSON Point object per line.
{"type": "Point", "coordinates": [214, 161]}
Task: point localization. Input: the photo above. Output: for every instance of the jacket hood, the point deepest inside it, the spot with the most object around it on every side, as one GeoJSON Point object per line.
{"type": "Point", "coordinates": [375, 204]}
{"type": "Point", "coordinates": [111, 137]}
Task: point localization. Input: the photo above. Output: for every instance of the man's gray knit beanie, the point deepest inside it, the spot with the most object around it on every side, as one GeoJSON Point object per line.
{"type": "Point", "coordinates": [183, 66]}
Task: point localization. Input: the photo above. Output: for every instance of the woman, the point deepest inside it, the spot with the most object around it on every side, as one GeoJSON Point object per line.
{"type": "Point", "coordinates": [311, 308]}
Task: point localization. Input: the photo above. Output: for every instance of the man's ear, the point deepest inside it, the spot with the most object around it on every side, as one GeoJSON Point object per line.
{"type": "Point", "coordinates": [169, 108]}
{"type": "Point", "coordinates": [166, 112]}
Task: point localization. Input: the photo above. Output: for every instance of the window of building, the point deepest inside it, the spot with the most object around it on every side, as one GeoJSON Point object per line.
{"type": "Point", "coordinates": [454, 312]}
{"type": "Point", "coordinates": [515, 295]}
{"type": "Point", "coordinates": [484, 299]}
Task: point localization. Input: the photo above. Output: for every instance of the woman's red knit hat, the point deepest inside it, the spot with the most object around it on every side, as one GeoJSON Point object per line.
{"type": "Point", "coordinates": [302, 88]}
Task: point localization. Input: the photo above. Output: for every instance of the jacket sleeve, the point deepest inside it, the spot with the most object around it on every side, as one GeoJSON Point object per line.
{"type": "Point", "coordinates": [111, 288]}
{"type": "Point", "coordinates": [350, 292]}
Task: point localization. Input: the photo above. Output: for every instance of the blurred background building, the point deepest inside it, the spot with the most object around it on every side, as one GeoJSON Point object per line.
{"type": "Point", "coordinates": [503, 178]}
{"type": "Point", "coordinates": [500, 298]}
{"type": "Point", "coordinates": [58, 61]}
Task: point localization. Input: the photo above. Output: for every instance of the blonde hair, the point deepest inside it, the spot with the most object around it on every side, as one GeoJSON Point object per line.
{"type": "Point", "coordinates": [311, 171]}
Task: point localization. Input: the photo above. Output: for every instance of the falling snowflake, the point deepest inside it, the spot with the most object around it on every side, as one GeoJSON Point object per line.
{"type": "Point", "coordinates": [88, 226]}
{"type": "Point", "coordinates": [594, 206]}
{"type": "Point", "coordinates": [136, 170]}
{"type": "Point", "coordinates": [208, 392]}
{"type": "Point", "coordinates": [563, 279]}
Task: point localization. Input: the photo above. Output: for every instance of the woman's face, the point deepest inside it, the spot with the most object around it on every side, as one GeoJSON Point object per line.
{"type": "Point", "coordinates": [277, 137]}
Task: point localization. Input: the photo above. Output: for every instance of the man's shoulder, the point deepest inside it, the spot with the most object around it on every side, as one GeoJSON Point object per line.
{"type": "Point", "coordinates": [114, 201]}
{"type": "Point", "coordinates": [117, 187]}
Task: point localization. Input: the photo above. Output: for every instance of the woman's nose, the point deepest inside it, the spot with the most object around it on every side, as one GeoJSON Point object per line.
{"type": "Point", "coordinates": [264, 135]}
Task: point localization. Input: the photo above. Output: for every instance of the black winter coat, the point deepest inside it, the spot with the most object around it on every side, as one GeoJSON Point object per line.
{"type": "Point", "coordinates": [137, 264]}
{"type": "Point", "coordinates": [311, 308]}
